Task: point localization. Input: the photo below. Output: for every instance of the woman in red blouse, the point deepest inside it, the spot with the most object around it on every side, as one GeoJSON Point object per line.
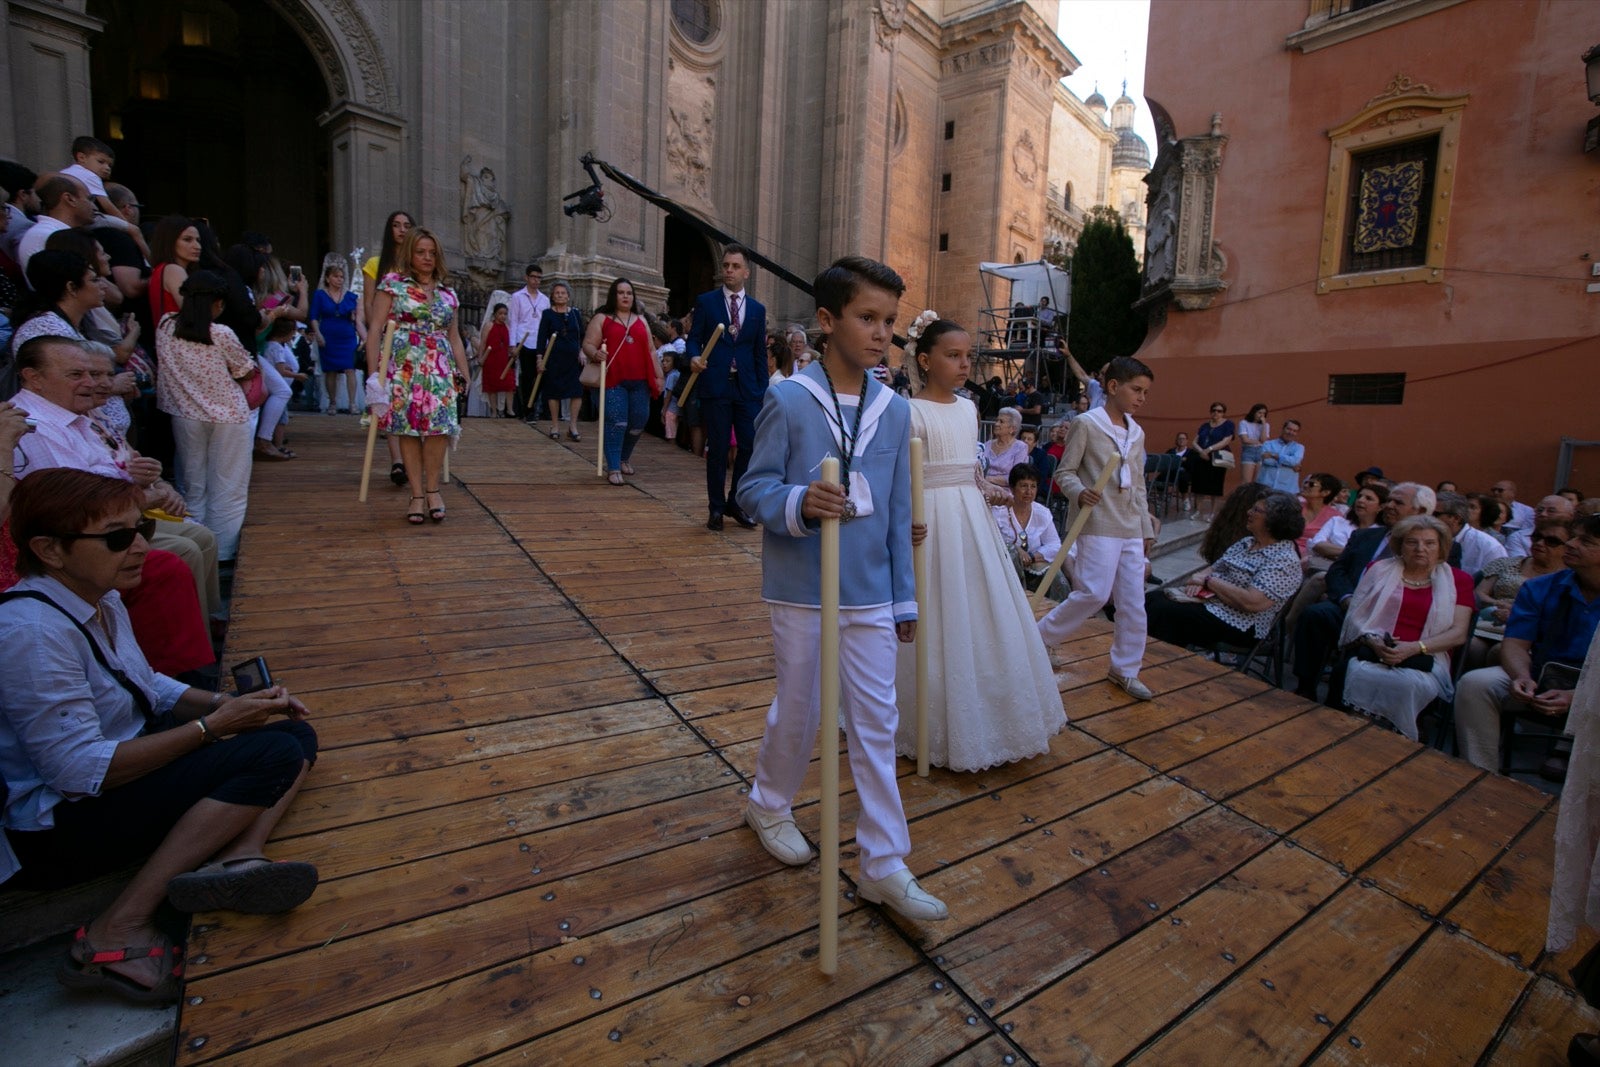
{"type": "Point", "coordinates": [633, 375]}
{"type": "Point", "coordinates": [1410, 611]}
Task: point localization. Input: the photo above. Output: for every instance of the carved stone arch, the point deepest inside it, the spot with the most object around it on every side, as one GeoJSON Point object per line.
{"type": "Point", "coordinates": [347, 50]}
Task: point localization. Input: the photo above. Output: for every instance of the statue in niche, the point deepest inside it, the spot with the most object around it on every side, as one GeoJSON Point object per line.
{"type": "Point", "coordinates": [1161, 239]}
{"type": "Point", "coordinates": [484, 215]}
{"type": "Point", "coordinates": [691, 116]}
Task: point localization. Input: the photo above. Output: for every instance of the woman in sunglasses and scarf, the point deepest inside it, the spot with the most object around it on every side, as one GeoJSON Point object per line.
{"type": "Point", "coordinates": [107, 763]}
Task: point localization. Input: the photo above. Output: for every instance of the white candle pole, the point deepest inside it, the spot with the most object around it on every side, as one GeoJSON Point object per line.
{"type": "Point", "coordinates": [919, 558]}
{"type": "Point", "coordinates": [372, 419]}
{"type": "Point", "coordinates": [828, 924]}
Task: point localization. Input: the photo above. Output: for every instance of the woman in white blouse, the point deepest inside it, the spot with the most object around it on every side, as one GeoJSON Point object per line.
{"type": "Point", "coordinates": [1025, 524]}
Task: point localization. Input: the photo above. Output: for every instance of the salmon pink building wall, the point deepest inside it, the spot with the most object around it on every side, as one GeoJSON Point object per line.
{"type": "Point", "coordinates": [1500, 355]}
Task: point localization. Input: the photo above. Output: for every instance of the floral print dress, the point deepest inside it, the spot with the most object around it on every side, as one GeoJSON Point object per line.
{"type": "Point", "coordinates": [422, 368]}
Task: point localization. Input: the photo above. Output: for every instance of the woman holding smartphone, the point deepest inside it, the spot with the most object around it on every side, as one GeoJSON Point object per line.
{"type": "Point", "coordinates": [192, 783]}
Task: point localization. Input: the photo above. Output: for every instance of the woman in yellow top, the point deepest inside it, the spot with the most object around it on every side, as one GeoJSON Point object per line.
{"type": "Point", "coordinates": [395, 230]}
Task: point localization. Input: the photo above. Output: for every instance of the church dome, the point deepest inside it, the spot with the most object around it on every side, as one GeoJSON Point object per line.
{"type": "Point", "coordinates": [1096, 102]}
{"type": "Point", "coordinates": [1130, 150]}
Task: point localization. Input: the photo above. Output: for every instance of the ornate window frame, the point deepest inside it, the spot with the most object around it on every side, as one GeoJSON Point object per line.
{"type": "Point", "coordinates": [1405, 111]}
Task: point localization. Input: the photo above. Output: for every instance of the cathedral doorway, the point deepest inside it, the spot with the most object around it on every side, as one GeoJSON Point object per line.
{"type": "Point", "coordinates": [688, 265]}
{"type": "Point", "coordinates": [212, 108]}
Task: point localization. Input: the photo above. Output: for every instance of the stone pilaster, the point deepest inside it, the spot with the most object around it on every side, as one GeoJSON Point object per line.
{"type": "Point", "coordinates": [366, 159]}
{"type": "Point", "coordinates": [48, 59]}
{"type": "Point", "coordinates": [607, 80]}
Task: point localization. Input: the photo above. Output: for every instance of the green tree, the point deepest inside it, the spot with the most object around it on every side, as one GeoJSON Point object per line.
{"type": "Point", "coordinates": [1105, 283]}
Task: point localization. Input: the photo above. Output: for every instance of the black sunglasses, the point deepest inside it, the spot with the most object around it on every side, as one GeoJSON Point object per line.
{"type": "Point", "coordinates": [116, 540]}
{"type": "Point", "coordinates": [1550, 541]}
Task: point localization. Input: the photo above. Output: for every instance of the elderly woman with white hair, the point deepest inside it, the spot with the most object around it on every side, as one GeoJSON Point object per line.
{"type": "Point", "coordinates": [1004, 450]}
{"type": "Point", "coordinates": [1409, 612]}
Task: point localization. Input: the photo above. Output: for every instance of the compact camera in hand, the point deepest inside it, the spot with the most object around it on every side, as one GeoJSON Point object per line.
{"type": "Point", "coordinates": [251, 676]}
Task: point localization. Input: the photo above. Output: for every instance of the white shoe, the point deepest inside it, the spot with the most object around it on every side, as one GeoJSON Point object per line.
{"type": "Point", "coordinates": [901, 893]}
{"type": "Point", "coordinates": [779, 836]}
{"type": "Point", "coordinates": [1135, 688]}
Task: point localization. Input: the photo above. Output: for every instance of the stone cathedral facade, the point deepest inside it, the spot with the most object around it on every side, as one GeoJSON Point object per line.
{"type": "Point", "coordinates": [934, 134]}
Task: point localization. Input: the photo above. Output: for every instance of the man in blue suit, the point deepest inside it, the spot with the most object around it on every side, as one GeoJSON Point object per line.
{"type": "Point", "coordinates": [732, 381]}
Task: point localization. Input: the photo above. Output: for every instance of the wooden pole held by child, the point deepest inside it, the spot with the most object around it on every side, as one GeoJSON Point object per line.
{"type": "Point", "coordinates": [919, 566]}
{"type": "Point", "coordinates": [1078, 522]}
{"type": "Point", "coordinates": [828, 923]}
{"type": "Point", "coordinates": [372, 420]}
{"type": "Point", "coordinates": [705, 353]}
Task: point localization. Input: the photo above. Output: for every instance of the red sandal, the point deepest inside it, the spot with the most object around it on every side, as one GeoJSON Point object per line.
{"type": "Point", "coordinates": [86, 970]}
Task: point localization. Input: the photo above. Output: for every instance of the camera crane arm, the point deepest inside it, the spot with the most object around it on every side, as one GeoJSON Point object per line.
{"type": "Point", "coordinates": [677, 211]}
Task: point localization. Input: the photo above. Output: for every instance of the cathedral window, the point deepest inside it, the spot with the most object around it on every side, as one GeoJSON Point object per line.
{"type": "Point", "coordinates": [697, 20]}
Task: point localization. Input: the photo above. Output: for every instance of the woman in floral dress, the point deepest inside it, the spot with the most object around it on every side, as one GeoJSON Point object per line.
{"type": "Point", "coordinates": [427, 367]}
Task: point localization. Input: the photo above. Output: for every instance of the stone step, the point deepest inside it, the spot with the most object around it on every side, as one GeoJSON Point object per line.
{"type": "Point", "coordinates": [47, 1025]}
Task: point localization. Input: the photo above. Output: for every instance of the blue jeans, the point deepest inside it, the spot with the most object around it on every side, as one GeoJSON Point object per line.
{"type": "Point", "coordinates": [627, 410]}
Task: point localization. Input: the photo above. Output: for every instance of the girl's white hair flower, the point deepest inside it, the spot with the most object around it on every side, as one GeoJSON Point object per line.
{"type": "Point", "coordinates": [920, 323]}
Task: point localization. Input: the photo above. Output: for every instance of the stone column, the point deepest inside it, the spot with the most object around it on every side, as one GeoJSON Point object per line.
{"type": "Point", "coordinates": [366, 161]}
{"type": "Point", "coordinates": [48, 61]}
{"type": "Point", "coordinates": [854, 146]}
{"type": "Point", "coordinates": [606, 78]}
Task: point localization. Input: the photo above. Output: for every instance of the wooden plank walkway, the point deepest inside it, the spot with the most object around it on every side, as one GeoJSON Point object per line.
{"type": "Point", "coordinates": [539, 720]}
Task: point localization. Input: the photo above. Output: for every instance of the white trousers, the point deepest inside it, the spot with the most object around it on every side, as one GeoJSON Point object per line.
{"type": "Point", "coordinates": [1106, 567]}
{"type": "Point", "coordinates": [279, 392]}
{"type": "Point", "coordinates": [213, 461]}
{"type": "Point", "coordinates": [867, 712]}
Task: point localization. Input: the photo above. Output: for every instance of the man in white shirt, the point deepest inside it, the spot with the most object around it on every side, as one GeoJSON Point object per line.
{"type": "Point", "coordinates": [64, 204]}
{"type": "Point", "coordinates": [58, 393]}
{"type": "Point", "coordinates": [528, 304]}
{"type": "Point", "coordinates": [1478, 549]}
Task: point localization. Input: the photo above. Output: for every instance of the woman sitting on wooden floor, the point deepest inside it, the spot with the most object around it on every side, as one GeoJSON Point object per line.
{"type": "Point", "coordinates": [105, 762]}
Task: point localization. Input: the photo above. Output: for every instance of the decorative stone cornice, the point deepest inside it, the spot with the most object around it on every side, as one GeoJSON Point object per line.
{"type": "Point", "coordinates": [1012, 33]}
{"type": "Point", "coordinates": [1333, 22]}
{"type": "Point", "coordinates": [56, 20]}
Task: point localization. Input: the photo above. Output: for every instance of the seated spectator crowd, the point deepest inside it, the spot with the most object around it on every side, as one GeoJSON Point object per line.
{"type": "Point", "coordinates": [131, 356]}
{"type": "Point", "coordinates": [1408, 604]}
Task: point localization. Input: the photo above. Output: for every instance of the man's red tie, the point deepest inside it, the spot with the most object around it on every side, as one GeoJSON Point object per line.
{"type": "Point", "coordinates": [733, 314]}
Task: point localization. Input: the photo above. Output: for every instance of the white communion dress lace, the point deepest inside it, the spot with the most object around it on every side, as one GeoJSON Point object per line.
{"type": "Point", "coordinates": [992, 694]}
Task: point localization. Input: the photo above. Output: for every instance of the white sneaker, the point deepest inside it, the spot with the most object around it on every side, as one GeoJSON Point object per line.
{"type": "Point", "coordinates": [1135, 688]}
{"type": "Point", "coordinates": [779, 836]}
{"type": "Point", "coordinates": [901, 893]}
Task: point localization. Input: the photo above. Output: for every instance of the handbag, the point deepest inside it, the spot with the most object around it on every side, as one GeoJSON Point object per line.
{"type": "Point", "coordinates": [589, 376]}
{"type": "Point", "coordinates": [1365, 651]}
{"type": "Point", "coordinates": [1223, 459]}
{"type": "Point", "coordinates": [255, 389]}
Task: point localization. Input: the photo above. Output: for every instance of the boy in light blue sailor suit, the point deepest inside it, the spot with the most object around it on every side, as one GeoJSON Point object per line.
{"type": "Point", "coordinates": [835, 407]}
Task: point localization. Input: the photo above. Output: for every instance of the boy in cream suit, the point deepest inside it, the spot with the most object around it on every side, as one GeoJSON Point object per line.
{"type": "Point", "coordinates": [1111, 549]}
{"type": "Point", "coordinates": [836, 407]}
